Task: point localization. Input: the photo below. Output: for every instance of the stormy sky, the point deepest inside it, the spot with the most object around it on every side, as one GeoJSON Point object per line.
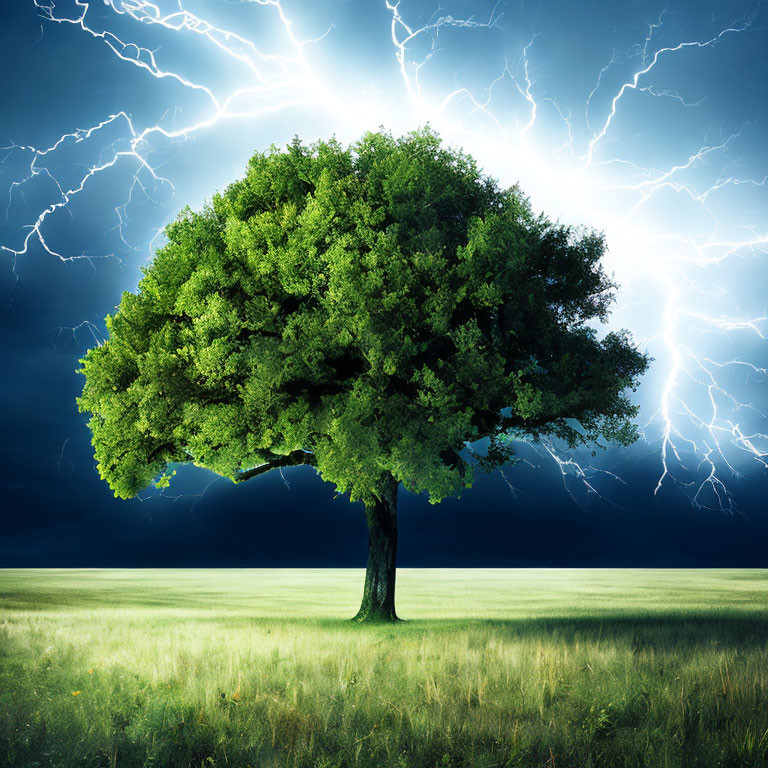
{"type": "Point", "coordinates": [643, 120]}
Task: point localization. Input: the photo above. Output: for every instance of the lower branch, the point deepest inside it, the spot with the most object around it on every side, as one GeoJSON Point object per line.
{"type": "Point", "coordinates": [293, 459]}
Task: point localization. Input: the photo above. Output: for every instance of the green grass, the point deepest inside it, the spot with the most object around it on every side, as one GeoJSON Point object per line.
{"type": "Point", "coordinates": [528, 669]}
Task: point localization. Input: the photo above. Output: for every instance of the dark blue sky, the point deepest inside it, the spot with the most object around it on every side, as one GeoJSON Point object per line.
{"type": "Point", "coordinates": [672, 168]}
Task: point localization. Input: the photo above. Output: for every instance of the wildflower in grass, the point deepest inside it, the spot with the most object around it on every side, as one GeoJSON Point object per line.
{"type": "Point", "coordinates": [90, 671]}
{"type": "Point", "coordinates": [76, 693]}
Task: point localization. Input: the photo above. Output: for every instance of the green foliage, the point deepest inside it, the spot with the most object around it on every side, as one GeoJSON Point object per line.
{"type": "Point", "coordinates": [374, 309]}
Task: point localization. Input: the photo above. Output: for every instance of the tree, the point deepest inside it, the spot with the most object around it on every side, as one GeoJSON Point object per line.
{"type": "Point", "coordinates": [373, 312]}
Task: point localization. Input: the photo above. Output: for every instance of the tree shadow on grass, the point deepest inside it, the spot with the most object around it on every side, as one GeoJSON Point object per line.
{"type": "Point", "coordinates": [645, 630]}
{"type": "Point", "coordinates": [743, 630]}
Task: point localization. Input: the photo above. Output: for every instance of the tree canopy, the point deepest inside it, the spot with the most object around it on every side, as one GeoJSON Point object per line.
{"type": "Point", "coordinates": [368, 310]}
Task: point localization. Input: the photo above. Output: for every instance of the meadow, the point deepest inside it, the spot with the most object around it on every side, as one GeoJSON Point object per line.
{"type": "Point", "coordinates": [509, 668]}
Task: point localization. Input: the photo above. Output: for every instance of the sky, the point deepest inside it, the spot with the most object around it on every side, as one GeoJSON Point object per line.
{"type": "Point", "coordinates": [644, 120]}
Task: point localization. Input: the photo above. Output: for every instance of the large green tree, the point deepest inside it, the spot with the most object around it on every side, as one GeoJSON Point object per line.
{"type": "Point", "coordinates": [370, 311]}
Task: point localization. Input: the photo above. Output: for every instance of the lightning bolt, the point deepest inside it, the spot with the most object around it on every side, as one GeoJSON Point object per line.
{"type": "Point", "coordinates": [279, 82]}
{"type": "Point", "coordinates": [704, 419]}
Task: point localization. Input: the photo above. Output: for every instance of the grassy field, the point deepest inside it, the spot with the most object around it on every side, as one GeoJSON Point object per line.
{"type": "Point", "coordinates": [523, 668]}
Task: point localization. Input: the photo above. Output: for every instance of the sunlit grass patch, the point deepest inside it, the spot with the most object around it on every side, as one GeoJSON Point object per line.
{"type": "Point", "coordinates": [493, 668]}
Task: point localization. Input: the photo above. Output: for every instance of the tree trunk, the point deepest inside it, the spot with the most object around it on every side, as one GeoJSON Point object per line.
{"type": "Point", "coordinates": [379, 592]}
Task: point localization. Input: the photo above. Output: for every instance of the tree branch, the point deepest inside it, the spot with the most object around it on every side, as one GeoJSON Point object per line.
{"type": "Point", "coordinates": [293, 459]}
